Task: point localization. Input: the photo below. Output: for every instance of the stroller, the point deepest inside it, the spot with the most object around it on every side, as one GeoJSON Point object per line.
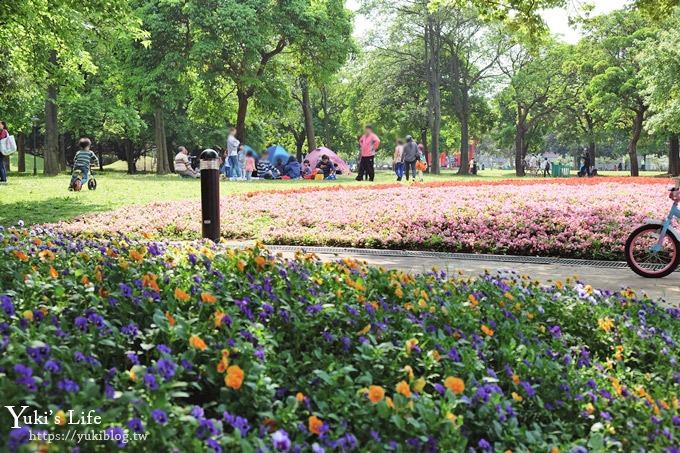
{"type": "Point", "coordinates": [76, 181]}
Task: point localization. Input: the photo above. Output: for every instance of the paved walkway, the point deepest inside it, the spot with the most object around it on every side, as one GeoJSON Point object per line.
{"type": "Point", "coordinates": [602, 275]}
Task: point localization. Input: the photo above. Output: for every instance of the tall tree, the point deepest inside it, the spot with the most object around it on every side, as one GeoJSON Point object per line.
{"type": "Point", "coordinates": [660, 70]}
{"type": "Point", "coordinates": [473, 51]}
{"type": "Point", "coordinates": [320, 54]}
{"type": "Point", "coordinates": [618, 90]}
{"type": "Point", "coordinates": [238, 40]}
{"type": "Point", "coordinates": [57, 54]}
{"type": "Point", "coordinates": [532, 96]}
{"type": "Point", "coordinates": [157, 67]}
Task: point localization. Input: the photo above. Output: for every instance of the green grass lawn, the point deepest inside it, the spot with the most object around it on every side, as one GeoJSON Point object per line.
{"type": "Point", "coordinates": [44, 199]}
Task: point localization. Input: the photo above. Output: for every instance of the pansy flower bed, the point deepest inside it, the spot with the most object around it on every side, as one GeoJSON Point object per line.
{"type": "Point", "coordinates": [203, 348]}
{"type": "Point", "coordinates": [572, 218]}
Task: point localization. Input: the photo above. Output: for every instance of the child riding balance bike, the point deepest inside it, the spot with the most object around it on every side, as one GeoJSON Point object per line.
{"type": "Point", "coordinates": [82, 161]}
{"type": "Point", "coordinates": [653, 249]}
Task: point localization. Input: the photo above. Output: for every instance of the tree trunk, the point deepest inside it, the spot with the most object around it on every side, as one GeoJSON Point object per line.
{"type": "Point", "coordinates": [674, 155]}
{"type": "Point", "coordinates": [51, 158]}
{"type": "Point", "coordinates": [423, 140]}
{"type": "Point", "coordinates": [21, 152]}
{"type": "Point", "coordinates": [325, 121]}
{"type": "Point", "coordinates": [308, 114]}
{"type": "Point", "coordinates": [591, 153]}
{"type": "Point", "coordinates": [162, 161]}
{"type": "Point", "coordinates": [464, 144]}
{"type": "Point", "coordinates": [62, 152]}
{"type": "Point", "coordinates": [632, 145]}
{"type": "Point", "coordinates": [100, 157]}
{"type": "Point", "coordinates": [433, 77]}
{"type": "Point", "coordinates": [243, 98]}
{"type": "Point", "coordinates": [519, 149]}
{"type": "Point", "coordinates": [130, 157]}
{"type": "Point", "coordinates": [299, 144]}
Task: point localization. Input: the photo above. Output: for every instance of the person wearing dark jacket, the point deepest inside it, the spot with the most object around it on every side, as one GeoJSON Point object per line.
{"type": "Point", "coordinates": [326, 166]}
{"type": "Point", "coordinates": [409, 156]}
{"type": "Point", "coordinates": [292, 169]}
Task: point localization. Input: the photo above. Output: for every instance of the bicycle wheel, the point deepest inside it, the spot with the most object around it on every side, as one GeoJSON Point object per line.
{"type": "Point", "coordinates": [647, 262]}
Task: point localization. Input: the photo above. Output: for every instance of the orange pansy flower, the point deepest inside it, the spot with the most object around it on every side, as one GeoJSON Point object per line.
{"type": "Point", "coordinates": [234, 377]}
{"type": "Point", "coordinates": [46, 255]}
{"type": "Point", "coordinates": [376, 393]}
{"type": "Point", "coordinates": [21, 256]}
{"type": "Point", "coordinates": [181, 295]}
{"type": "Point", "coordinates": [487, 330]}
{"type": "Point", "coordinates": [218, 318]}
{"type": "Point", "coordinates": [455, 384]}
{"type": "Point", "coordinates": [197, 342]}
{"type": "Point", "coordinates": [170, 318]}
{"type": "Point", "coordinates": [53, 272]}
{"type": "Point", "coordinates": [315, 424]}
{"type": "Point", "coordinates": [208, 298]}
{"type": "Point", "coordinates": [403, 389]}
{"type": "Point", "coordinates": [136, 256]}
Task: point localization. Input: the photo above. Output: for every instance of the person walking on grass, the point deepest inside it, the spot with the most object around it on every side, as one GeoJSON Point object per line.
{"type": "Point", "coordinates": [546, 168]}
{"type": "Point", "coordinates": [409, 157]}
{"type": "Point", "coordinates": [232, 154]}
{"type": "Point", "coordinates": [4, 133]}
{"type": "Point", "coordinates": [421, 163]}
{"type": "Point", "coordinates": [368, 145]}
{"type": "Point", "coordinates": [396, 160]}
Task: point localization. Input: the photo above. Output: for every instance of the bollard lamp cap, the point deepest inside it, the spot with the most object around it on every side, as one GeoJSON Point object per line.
{"type": "Point", "coordinates": [209, 154]}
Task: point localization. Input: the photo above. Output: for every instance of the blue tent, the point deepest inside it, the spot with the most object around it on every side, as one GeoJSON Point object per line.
{"type": "Point", "coordinates": [277, 152]}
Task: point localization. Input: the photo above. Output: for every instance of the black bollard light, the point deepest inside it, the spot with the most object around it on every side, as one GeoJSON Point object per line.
{"type": "Point", "coordinates": [210, 194]}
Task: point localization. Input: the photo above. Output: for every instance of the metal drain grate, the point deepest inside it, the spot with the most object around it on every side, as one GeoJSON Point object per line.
{"type": "Point", "coordinates": [449, 256]}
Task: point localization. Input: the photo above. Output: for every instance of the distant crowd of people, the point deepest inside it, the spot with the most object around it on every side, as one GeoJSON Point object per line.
{"type": "Point", "coordinates": [240, 164]}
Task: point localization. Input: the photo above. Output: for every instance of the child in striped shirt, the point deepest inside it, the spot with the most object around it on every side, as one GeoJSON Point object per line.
{"type": "Point", "coordinates": [82, 161]}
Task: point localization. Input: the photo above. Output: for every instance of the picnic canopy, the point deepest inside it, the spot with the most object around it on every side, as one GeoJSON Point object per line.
{"type": "Point", "coordinates": [315, 156]}
{"type": "Point", "coordinates": [277, 152]}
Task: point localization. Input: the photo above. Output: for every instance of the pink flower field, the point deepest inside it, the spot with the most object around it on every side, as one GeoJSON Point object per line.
{"type": "Point", "coordinates": [588, 220]}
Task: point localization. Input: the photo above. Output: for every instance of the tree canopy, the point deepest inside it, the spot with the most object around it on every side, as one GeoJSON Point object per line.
{"type": "Point", "coordinates": [145, 76]}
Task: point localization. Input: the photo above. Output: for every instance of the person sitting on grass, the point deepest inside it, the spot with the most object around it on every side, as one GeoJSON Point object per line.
{"type": "Point", "coordinates": [326, 166]}
{"type": "Point", "coordinates": [292, 169]}
{"type": "Point", "coordinates": [306, 170]}
{"type": "Point", "coordinates": [182, 164]}
{"type": "Point", "coordinates": [280, 167]}
{"type": "Point", "coordinates": [82, 161]}
{"type": "Point", "coordinates": [265, 169]}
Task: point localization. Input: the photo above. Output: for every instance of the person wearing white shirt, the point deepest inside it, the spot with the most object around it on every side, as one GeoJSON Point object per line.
{"type": "Point", "coordinates": [183, 165]}
{"type": "Point", "coordinates": [232, 154]}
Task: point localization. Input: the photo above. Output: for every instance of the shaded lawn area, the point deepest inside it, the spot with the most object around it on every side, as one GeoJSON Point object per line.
{"type": "Point", "coordinates": [46, 199]}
